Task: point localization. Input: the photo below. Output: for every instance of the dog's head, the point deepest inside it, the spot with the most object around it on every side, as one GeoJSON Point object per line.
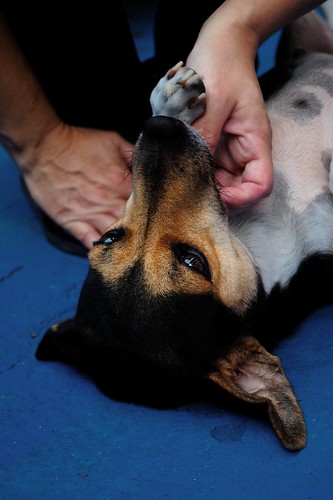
{"type": "Point", "coordinates": [171, 293]}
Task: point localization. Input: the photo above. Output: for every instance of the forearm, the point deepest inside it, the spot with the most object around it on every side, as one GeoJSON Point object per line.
{"type": "Point", "coordinates": [264, 17]}
{"type": "Point", "coordinates": [257, 18]}
{"type": "Point", "coordinates": [25, 114]}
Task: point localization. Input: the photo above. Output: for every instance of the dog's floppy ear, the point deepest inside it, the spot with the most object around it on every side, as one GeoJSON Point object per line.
{"type": "Point", "coordinates": [252, 374]}
{"type": "Point", "coordinates": [61, 342]}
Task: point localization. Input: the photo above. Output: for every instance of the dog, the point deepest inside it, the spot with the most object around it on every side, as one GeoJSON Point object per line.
{"type": "Point", "coordinates": [179, 291]}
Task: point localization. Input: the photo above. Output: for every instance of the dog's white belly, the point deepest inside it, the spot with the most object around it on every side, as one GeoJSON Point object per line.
{"type": "Point", "coordinates": [296, 220]}
{"type": "Point", "coordinates": [303, 148]}
{"type": "Point", "coordinates": [305, 167]}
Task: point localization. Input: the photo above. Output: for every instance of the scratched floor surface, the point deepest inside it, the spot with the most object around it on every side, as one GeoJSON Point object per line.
{"type": "Point", "coordinates": [62, 438]}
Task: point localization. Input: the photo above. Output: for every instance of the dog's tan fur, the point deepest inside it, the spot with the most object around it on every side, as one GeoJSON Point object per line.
{"type": "Point", "coordinates": [148, 239]}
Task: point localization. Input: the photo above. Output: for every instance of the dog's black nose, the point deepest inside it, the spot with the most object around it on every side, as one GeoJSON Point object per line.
{"type": "Point", "coordinates": [165, 131]}
{"type": "Point", "coordinates": [168, 146]}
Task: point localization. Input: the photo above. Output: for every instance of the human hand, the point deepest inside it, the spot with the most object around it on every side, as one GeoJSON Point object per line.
{"type": "Point", "coordinates": [79, 177]}
{"type": "Point", "coordinates": [235, 124]}
{"type": "Point", "coordinates": [244, 151]}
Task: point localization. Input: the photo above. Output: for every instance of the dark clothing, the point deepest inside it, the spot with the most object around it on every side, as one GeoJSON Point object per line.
{"type": "Point", "coordinates": [86, 60]}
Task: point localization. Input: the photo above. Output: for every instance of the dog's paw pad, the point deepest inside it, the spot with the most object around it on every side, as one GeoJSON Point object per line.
{"type": "Point", "coordinates": [180, 93]}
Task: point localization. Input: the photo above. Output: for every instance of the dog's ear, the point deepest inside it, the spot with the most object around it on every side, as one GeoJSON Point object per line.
{"type": "Point", "coordinates": [252, 374]}
{"type": "Point", "coordinates": [61, 342]}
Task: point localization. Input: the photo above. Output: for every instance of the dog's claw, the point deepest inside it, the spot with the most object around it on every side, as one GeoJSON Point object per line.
{"type": "Point", "coordinates": [197, 100]}
{"type": "Point", "coordinates": [171, 73]}
{"type": "Point", "coordinates": [188, 79]}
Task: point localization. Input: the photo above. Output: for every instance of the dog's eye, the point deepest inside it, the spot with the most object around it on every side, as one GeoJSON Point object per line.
{"type": "Point", "coordinates": [110, 237]}
{"type": "Point", "coordinates": [193, 259]}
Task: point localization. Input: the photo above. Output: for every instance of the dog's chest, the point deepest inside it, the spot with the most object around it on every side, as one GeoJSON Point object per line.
{"type": "Point", "coordinates": [279, 239]}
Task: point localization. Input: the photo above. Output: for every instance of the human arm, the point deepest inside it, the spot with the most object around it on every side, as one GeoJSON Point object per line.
{"type": "Point", "coordinates": [77, 176]}
{"type": "Point", "coordinates": [224, 55]}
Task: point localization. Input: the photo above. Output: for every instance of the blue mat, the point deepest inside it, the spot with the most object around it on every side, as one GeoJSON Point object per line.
{"type": "Point", "coordinates": [62, 438]}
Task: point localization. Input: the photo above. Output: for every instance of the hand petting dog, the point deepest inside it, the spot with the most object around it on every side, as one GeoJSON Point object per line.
{"type": "Point", "coordinates": [243, 149]}
{"type": "Point", "coordinates": [80, 179]}
{"type": "Point", "coordinates": [235, 124]}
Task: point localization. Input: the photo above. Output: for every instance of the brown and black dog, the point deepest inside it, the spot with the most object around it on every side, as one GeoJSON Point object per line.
{"type": "Point", "coordinates": [178, 290]}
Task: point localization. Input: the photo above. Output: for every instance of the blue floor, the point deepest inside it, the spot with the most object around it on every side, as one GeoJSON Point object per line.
{"type": "Point", "coordinates": [61, 438]}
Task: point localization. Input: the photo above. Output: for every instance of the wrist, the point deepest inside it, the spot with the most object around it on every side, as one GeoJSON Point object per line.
{"type": "Point", "coordinates": [248, 21]}
{"type": "Point", "coordinates": [230, 27]}
{"type": "Point", "coordinates": [23, 137]}
{"type": "Point", "coordinates": [224, 52]}
{"type": "Point", "coordinates": [262, 18]}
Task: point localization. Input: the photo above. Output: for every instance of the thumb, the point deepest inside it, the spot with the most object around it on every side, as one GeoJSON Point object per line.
{"type": "Point", "coordinates": [211, 124]}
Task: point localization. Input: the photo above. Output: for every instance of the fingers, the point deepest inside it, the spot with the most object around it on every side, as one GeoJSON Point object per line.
{"type": "Point", "coordinates": [210, 128]}
{"type": "Point", "coordinates": [248, 185]}
{"type": "Point", "coordinates": [245, 159]}
{"type": "Point", "coordinates": [243, 195]}
{"type": "Point", "coordinates": [87, 232]}
{"type": "Point", "coordinates": [84, 187]}
{"type": "Point", "coordinates": [244, 155]}
{"type": "Point", "coordinates": [84, 232]}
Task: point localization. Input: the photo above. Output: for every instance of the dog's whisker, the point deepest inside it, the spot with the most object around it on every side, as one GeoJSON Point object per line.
{"type": "Point", "coordinates": [218, 185]}
{"type": "Point", "coordinates": [208, 136]}
{"type": "Point", "coordinates": [128, 165]}
{"type": "Point", "coordinates": [128, 174]}
{"type": "Point", "coordinates": [127, 158]}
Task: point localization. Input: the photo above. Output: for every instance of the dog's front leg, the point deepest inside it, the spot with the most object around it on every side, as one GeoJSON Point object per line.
{"type": "Point", "coordinates": [180, 94]}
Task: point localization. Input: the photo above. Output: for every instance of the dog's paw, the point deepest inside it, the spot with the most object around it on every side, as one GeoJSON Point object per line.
{"type": "Point", "coordinates": [180, 93]}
